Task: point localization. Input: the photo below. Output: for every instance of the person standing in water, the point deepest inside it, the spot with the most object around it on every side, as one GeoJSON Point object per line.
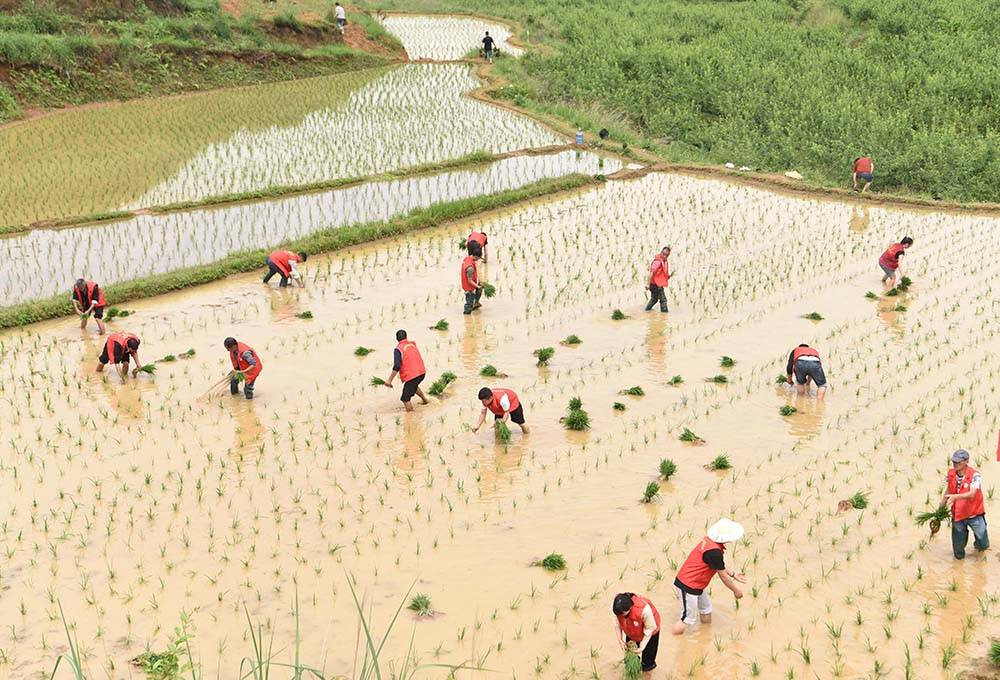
{"type": "Point", "coordinates": [409, 365]}
{"type": "Point", "coordinates": [488, 46]}
{"type": "Point", "coordinates": [471, 285]}
{"type": "Point", "coordinates": [704, 562]}
{"type": "Point", "coordinates": [89, 298]}
{"type": "Point", "coordinates": [889, 260]}
{"type": "Point", "coordinates": [119, 348]}
{"type": "Point", "coordinates": [659, 277]}
{"type": "Point", "coordinates": [864, 169]}
{"type": "Point", "coordinates": [282, 263]}
{"type": "Point", "coordinates": [804, 365]}
{"type": "Point", "coordinates": [503, 404]}
{"type": "Point", "coordinates": [963, 495]}
{"type": "Point", "coordinates": [246, 363]}
{"type": "Point", "coordinates": [638, 622]}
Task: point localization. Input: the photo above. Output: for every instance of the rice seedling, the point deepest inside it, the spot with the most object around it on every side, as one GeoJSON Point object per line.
{"type": "Point", "coordinates": [933, 518]}
{"type": "Point", "coordinates": [571, 340]}
{"type": "Point", "coordinates": [577, 419]}
{"type": "Point", "coordinates": [994, 653]}
{"type": "Point", "coordinates": [376, 381]}
{"type": "Point", "coordinates": [871, 295]}
{"type": "Point", "coordinates": [148, 368]}
{"type": "Point", "coordinates": [502, 432]}
{"type": "Point", "coordinates": [490, 371]}
{"type": "Point", "coordinates": [635, 391]}
{"type": "Point", "coordinates": [544, 354]}
{"type": "Point", "coordinates": [788, 410]}
{"type": "Point", "coordinates": [814, 316]}
{"type": "Point", "coordinates": [420, 604]}
{"type": "Point", "coordinates": [717, 379]}
{"type": "Point", "coordinates": [618, 406]}
{"type": "Point", "coordinates": [859, 501]}
{"type": "Point", "coordinates": [489, 290]}
{"type": "Point", "coordinates": [633, 665]}
{"type": "Point", "coordinates": [306, 314]}
{"type": "Point", "coordinates": [441, 325]}
{"type": "Point", "coordinates": [618, 315]}
{"type": "Point", "coordinates": [575, 403]}
{"type": "Point", "coordinates": [652, 491]}
{"type": "Point", "coordinates": [899, 308]}
{"type": "Point", "coordinates": [892, 292]}
{"type": "Point", "coordinates": [187, 355]}
{"type": "Point", "coordinates": [169, 358]}
{"type": "Point", "coordinates": [438, 387]}
{"type": "Point", "coordinates": [904, 283]}
{"type": "Point", "coordinates": [667, 468]}
{"type": "Point", "coordinates": [676, 380]}
{"type": "Point", "coordinates": [551, 562]}
{"type": "Point", "coordinates": [360, 351]}
{"type": "Point", "coordinates": [727, 362]}
{"type": "Point", "coordinates": [782, 379]}
{"type": "Point", "coordinates": [720, 462]}
{"type": "Point", "coordinates": [689, 436]}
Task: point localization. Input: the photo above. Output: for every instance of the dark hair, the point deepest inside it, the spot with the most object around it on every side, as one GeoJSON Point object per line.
{"type": "Point", "coordinates": [622, 604]}
{"type": "Point", "coordinates": [80, 283]}
{"type": "Point", "coordinates": [907, 241]}
{"type": "Point", "coordinates": [303, 256]}
{"type": "Point", "coordinates": [400, 335]}
{"type": "Point", "coordinates": [229, 342]}
{"type": "Point", "coordinates": [485, 393]}
{"type": "Point", "coordinates": [475, 249]}
{"type": "Point", "coordinates": [665, 248]}
{"type": "Point", "coordinates": [132, 343]}
{"type": "Point", "coordinates": [803, 345]}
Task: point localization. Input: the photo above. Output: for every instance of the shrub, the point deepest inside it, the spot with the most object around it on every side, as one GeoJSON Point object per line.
{"type": "Point", "coordinates": [9, 108]}
{"type": "Point", "coordinates": [288, 19]}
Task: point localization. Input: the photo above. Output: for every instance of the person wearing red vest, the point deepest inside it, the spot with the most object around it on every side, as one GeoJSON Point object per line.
{"type": "Point", "coordinates": [864, 168]}
{"type": "Point", "coordinates": [639, 623]}
{"type": "Point", "coordinates": [964, 496]}
{"type": "Point", "coordinates": [503, 404]}
{"type": "Point", "coordinates": [282, 263]}
{"type": "Point", "coordinates": [470, 278]}
{"type": "Point", "coordinates": [659, 277]}
{"type": "Point", "coordinates": [89, 298]}
{"type": "Point", "coordinates": [246, 365]}
{"type": "Point", "coordinates": [889, 260]}
{"type": "Point", "coordinates": [119, 348]}
{"type": "Point", "coordinates": [704, 562]}
{"type": "Point", "coordinates": [409, 365]}
{"type": "Point", "coordinates": [805, 365]}
{"type": "Point", "coordinates": [480, 238]}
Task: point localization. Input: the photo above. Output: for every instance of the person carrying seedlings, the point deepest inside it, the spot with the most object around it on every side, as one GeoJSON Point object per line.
{"type": "Point", "coordinates": [964, 497]}
{"type": "Point", "coordinates": [118, 350]}
{"type": "Point", "coordinates": [246, 366]}
{"type": "Point", "coordinates": [659, 277]}
{"type": "Point", "coordinates": [470, 278]}
{"type": "Point", "coordinates": [704, 562]}
{"type": "Point", "coordinates": [488, 46]}
{"type": "Point", "coordinates": [409, 365]}
{"type": "Point", "coordinates": [282, 263]}
{"type": "Point", "coordinates": [89, 298]}
{"type": "Point", "coordinates": [503, 404]}
{"type": "Point", "coordinates": [480, 238]}
{"type": "Point", "coordinates": [804, 364]}
{"type": "Point", "coordinates": [889, 260]}
{"type": "Point", "coordinates": [638, 622]}
{"type": "Point", "coordinates": [341, 16]}
{"type": "Point", "coordinates": [863, 169]}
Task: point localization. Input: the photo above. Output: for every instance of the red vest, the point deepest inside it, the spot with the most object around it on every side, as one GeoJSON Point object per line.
{"type": "Point", "coordinates": [469, 285]}
{"type": "Point", "coordinates": [118, 340]}
{"type": "Point", "coordinates": [863, 164]}
{"type": "Point", "coordinates": [970, 507]}
{"type": "Point", "coordinates": [631, 623]}
{"type": "Point", "coordinates": [694, 573]}
{"type": "Point", "coordinates": [240, 364]}
{"type": "Point", "coordinates": [495, 407]}
{"type": "Point", "coordinates": [412, 364]}
{"type": "Point", "coordinates": [889, 258]}
{"type": "Point", "coordinates": [90, 295]}
{"type": "Point", "coordinates": [477, 237]}
{"type": "Point", "coordinates": [659, 272]}
{"type": "Point", "coordinates": [803, 352]}
{"type": "Point", "coordinates": [281, 259]}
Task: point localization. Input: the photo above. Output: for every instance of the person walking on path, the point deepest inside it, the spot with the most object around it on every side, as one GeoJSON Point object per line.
{"type": "Point", "coordinates": [659, 277]}
{"type": "Point", "coordinates": [704, 562]}
{"type": "Point", "coordinates": [638, 622]}
{"type": "Point", "coordinates": [480, 238]}
{"type": "Point", "coordinates": [246, 365]}
{"type": "Point", "coordinates": [889, 260]}
{"type": "Point", "coordinates": [119, 348]}
{"type": "Point", "coordinates": [804, 365]}
{"type": "Point", "coordinates": [488, 45]}
{"type": "Point", "coordinates": [88, 298]}
{"type": "Point", "coordinates": [341, 16]}
{"type": "Point", "coordinates": [964, 497]}
{"type": "Point", "coordinates": [282, 263]}
{"type": "Point", "coordinates": [864, 168]}
{"type": "Point", "coordinates": [470, 279]}
{"type": "Point", "coordinates": [409, 365]}
{"type": "Point", "coordinates": [503, 404]}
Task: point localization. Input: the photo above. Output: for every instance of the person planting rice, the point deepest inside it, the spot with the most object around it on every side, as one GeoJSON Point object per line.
{"type": "Point", "coordinates": [282, 263]}
{"type": "Point", "coordinates": [503, 404]}
{"type": "Point", "coordinates": [704, 562]}
{"type": "Point", "coordinates": [409, 365]}
{"type": "Point", "coordinates": [246, 366]}
{"type": "Point", "coordinates": [964, 497]}
{"type": "Point", "coordinates": [470, 278]}
{"type": "Point", "coordinates": [88, 298]}
{"type": "Point", "coordinates": [488, 45]}
{"type": "Point", "coordinates": [118, 350]}
{"type": "Point", "coordinates": [804, 365]}
{"type": "Point", "coordinates": [864, 168]}
{"type": "Point", "coordinates": [659, 277]}
{"type": "Point", "coordinates": [638, 622]}
{"type": "Point", "coordinates": [480, 238]}
{"type": "Point", "coordinates": [889, 260]}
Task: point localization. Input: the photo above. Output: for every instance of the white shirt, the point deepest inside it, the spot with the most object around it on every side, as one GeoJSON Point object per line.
{"type": "Point", "coordinates": [341, 14]}
{"type": "Point", "coordinates": [295, 272]}
{"type": "Point", "coordinates": [505, 403]}
{"type": "Point", "coordinates": [976, 483]}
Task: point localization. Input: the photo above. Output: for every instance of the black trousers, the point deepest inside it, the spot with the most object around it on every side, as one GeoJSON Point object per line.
{"type": "Point", "coordinates": [272, 270]}
{"type": "Point", "coordinates": [657, 294]}
{"type": "Point", "coordinates": [649, 654]}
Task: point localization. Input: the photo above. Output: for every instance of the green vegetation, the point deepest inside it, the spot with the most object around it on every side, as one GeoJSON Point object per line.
{"type": "Point", "coordinates": [905, 283]}
{"type": "Point", "coordinates": [551, 562]}
{"type": "Point", "coordinates": [892, 292]}
{"type": "Point", "coordinates": [572, 340]}
{"type": "Point", "coordinates": [814, 316]}
{"type": "Point", "coordinates": [544, 354]}
{"type": "Point", "coordinates": [633, 665]}
{"type": "Point", "coordinates": [618, 315]}
{"type": "Point", "coordinates": [420, 604]}
{"type": "Point", "coordinates": [667, 468]}
{"type": "Point", "coordinates": [899, 308]}
{"type": "Point", "coordinates": [720, 462]}
{"type": "Point", "coordinates": [782, 379]}
{"type": "Point", "coordinates": [994, 653]}
{"type": "Point", "coordinates": [577, 418]}
{"type": "Point", "coordinates": [871, 295]}
{"type": "Point", "coordinates": [441, 325]}
{"type": "Point", "coordinates": [727, 362]}
{"type": "Point", "coordinates": [938, 515]}
{"type": "Point", "coordinates": [438, 387]}
{"type": "Point", "coordinates": [502, 432]}
{"type": "Point", "coordinates": [489, 290]}
{"type": "Point", "coordinates": [689, 436]}
{"type": "Point", "coordinates": [306, 315]}
{"type": "Point", "coordinates": [188, 354]}
{"type": "Point", "coordinates": [676, 380]}
{"type": "Point", "coordinates": [635, 391]}
{"type": "Point", "coordinates": [376, 382]}
{"type": "Point", "coordinates": [360, 351]}
{"type": "Point", "coordinates": [859, 501]}
{"type": "Point", "coordinates": [652, 491]}
{"type": "Point", "coordinates": [717, 379]}
{"type": "Point", "coordinates": [787, 410]}
{"type": "Point", "coordinates": [488, 371]}
{"type": "Point", "coordinates": [9, 108]}
{"type": "Point", "coordinates": [618, 406]}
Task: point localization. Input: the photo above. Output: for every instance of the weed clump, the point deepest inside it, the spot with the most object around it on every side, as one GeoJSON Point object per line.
{"type": "Point", "coordinates": [304, 315]}
{"type": "Point", "coordinates": [814, 316]}
{"type": "Point", "coordinates": [717, 379]}
{"type": "Point", "coordinates": [441, 325]}
{"type": "Point", "coordinates": [787, 410]}
{"type": "Point", "coordinates": [618, 406]}
{"type": "Point", "coordinates": [667, 468]}
{"type": "Point", "coordinates": [544, 354]}
{"type": "Point", "coordinates": [421, 604]}
{"type": "Point", "coordinates": [727, 362]}
{"type": "Point", "coordinates": [720, 462]}
{"type": "Point", "coordinates": [360, 351]}
{"type": "Point", "coordinates": [651, 492]}
{"type": "Point", "coordinates": [438, 386]}
{"type": "Point", "coordinates": [618, 315]}
{"type": "Point", "coordinates": [551, 562]}
{"type": "Point", "coordinates": [636, 391]}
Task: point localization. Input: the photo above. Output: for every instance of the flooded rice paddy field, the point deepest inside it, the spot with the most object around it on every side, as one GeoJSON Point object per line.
{"type": "Point", "coordinates": [151, 498]}
{"type": "Point", "coordinates": [446, 38]}
{"type": "Point", "coordinates": [44, 262]}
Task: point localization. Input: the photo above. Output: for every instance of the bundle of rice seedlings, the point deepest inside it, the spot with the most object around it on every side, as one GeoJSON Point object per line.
{"type": "Point", "coordinates": [188, 354]}
{"type": "Point", "coordinates": [899, 308]}
{"type": "Point", "coordinates": [676, 380]}
{"type": "Point", "coordinates": [689, 436]}
{"type": "Point", "coordinates": [667, 468]}
{"type": "Point", "coordinates": [551, 562]}
{"type": "Point", "coordinates": [859, 501]}
{"type": "Point", "coordinates": [488, 371]}
{"type": "Point", "coordinates": [360, 351]}
{"type": "Point", "coordinates": [618, 406]}
{"type": "Point", "coordinates": [934, 518]}
{"type": "Point", "coordinates": [717, 379]}
{"type": "Point", "coordinates": [633, 664]}
{"type": "Point", "coordinates": [463, 244]}
{"type": "Point", "coordinates": [441, 325]}
{"type": "Point", "coordinates": [814, 316]}
{"type": "Point", "coordinates": [168, 358]}
{"type": "Point", "coordinates": [125, 313]}
{"type": "Point", "coordinates": [148, 368]}
{"type": "Point", "coordinates": [111, 312]}
{"type": "Point", "coordinates": [502, 432]}
{"type": "Point", "coordinates": [634, 391]}
{"type": "Point", "coordinates": [787, 410]}
{"type": "Point", "coordinates": [489, 290]}
{"type": "Point", "coordinates": [618, 315]}
{"type": "Point", "coordinates": [572, 340]}
{"type": "Point", "coordinates": [376, 382]}
{"type": "Point", "coordinates": [994, 653]}
{"type": "Point", "coordinates": [782, 379]}
{"type": "Point", "coordinates": [439, 385]}
{"type": "Point", "coordinates": [727, 362]}
{"type": "Point", "coordinates": [721, 462]}
{"type": "Point", "coordinates": [905, 283]}
{"type": "Point", "coordinates": [892, 292]}
{"type": "Point", "coordinates": [871, 295]}
{"type": "Point", "coordinates": [304, 315]}
{"type": "Point", "coordinates": [575, 404]}
{"type": "Point", "coordinates": [544, 354]}
{"type": "Point", "coordinates": [577, 420]}
{"type": "Point", "coordinates": [421, 604]}
{"type": "Point", "coordinates": [651, 492]}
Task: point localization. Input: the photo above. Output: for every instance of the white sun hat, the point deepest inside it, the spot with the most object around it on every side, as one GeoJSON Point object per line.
{"type": "Point", "coordinates": [725, 531]}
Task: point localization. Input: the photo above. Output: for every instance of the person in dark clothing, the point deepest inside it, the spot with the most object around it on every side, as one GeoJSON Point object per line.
{"type": "Point", "coordinates": [804, 365]}
{"type": "Point", "coordinates": [488, 46]}
{"type": "Point", "coordinates": [638, 623]}
{"type": "Point", "coordinates": [409, 365]}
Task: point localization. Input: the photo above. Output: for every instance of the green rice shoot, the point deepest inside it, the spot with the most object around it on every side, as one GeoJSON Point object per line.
{"type": "Point", "coordinates": [727, 362]}
{"type": "Point", "coordinates": [689, 436]}
{"type": "Point", "coordinates": [488, 371]}
{"type": "Point", "coordinates": [168, 359]}
{"type": "Point", "coordinates": [618, 315]}
{"type": "Point", "coordinates": [994, 653]}
{"type": "Point", "coordinates": [376, 382]}
{"type": "Point", "coordinates": [188, 354]}
{"type": "Point", "coordinates": [871, 295]}
{"type": "Point", "coordinates": [892, 292]}
{"type": "Point", "coordinates": [899, 308]}
{"type": "Point", "coordinates": [575, 404]}
{"type": "Point", "coordinates": [633, 665]}
{"type": "Point", "coordinates": [544, 354]}
{"type": "Point", "coordinates": [360, 351]}
{"type": "Point", "coordinates": [782, 379]}
{"type": "Point", "coordinates": [148, 368]}
{"type": "Point", "coordinates": [667, 468]}
{"type": "Point", "coordinates": [676, 380]}
{"type": "Point", "coordinates": [718, 379]}
{"type": "Point", "coordinates": [720, 462]}
{"type": "Point", "coordinates": [489, 290]}
{"type": "Point", "coordinates": [635, 391]}
{"type": "Point", "coordinates": [304, 315]}
{"type": "Point", "coordinates": [787, 410]}
{"type": "Point", "coordinates": [577, 420]}
{"type": "Point", "coordinates": [618, 406]}
{"type": "Point", "coordinates": [905, 283]}
{"type": "Point", "coordinates": [814, 316]}
{"type": "Point", "coordinates": [651, 492]}
{"type": "Point", "coordinates": [441, 325]}
{"type": "Point", "coordinates": [551, 562]}
{"type": "Point", "coordinates": [420, 604]}
{"type": "Point", "coordinates": [502, 432]}
{"type": "Point", "coordinates": [572, 340]}
{"type": "Point", "coordinates": [859, 501]}
{"type": "Point", "coordinates": [939, 514]}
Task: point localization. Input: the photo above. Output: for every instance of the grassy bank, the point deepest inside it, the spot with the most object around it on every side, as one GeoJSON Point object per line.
{"type": "Point", "coordinates": [776, 85]}
{"type": "Point", "coordinates": [319, 242]}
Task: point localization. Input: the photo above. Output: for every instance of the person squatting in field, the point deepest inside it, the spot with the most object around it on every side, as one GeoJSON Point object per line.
{"type": "Point", "coordinates": [638, 622]}
{"type": "Point", "coordinates": [409, 365]}
{"type": "Point", "coordinates": [703, 563]}
{"type": "Point", "coordinates": [88, 298]}
{"type": "Point", "coordinates": [282, 263]}
{"type": "Point", "coordinates": [964, 496]}
{"type": "Point", "coordinates": [480, 238]}
{"type": "Point", "coordinates": [246, 366]}
{"type": "Point", "coordinates": [471, 285]}
{"type": "Point", "coordinates": [503, 404]}
{"type": "Point", "coordinates": [118, 350]}
{"type": "Point", "coordinates": [864, 169]}
{"type": "Point", "coordinates": [804, 365]}
{"type": "Point", "coordinates": [659, 277]}
{"type": "Point", "coordinates": [889, 260]}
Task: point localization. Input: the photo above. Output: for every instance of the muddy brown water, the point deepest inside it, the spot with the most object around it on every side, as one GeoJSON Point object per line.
{"type": "Point", "coordinates": [132, 503]}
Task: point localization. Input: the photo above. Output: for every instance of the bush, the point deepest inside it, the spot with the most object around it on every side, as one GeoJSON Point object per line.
{"type": "Point", "coordinates": [288, 19]}
{"type": "Point", "coordinates": [9, 108]}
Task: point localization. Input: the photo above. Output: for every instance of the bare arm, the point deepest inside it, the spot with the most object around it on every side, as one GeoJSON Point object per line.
{"type": "Point", "coordinates": [392, 376]}
{"type": "Point", "coordinates": [479, 423]}
{"type": "Point", "coordinates": [730, 582]}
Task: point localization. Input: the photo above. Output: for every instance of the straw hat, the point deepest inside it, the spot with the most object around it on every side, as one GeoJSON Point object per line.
{"type": "Point", "coordinates": [725, 531]}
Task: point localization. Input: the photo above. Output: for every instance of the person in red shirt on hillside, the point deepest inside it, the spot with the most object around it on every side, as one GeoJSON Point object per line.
{"type": "Point", "coordinates": [804, 365]}
{"type": "Point", "coordinates": [638, 622]}
{"type": "Point", "coordinates": [503, 404]}
{"type": "Point", "coordinates": [89, 298]}
{"type": "Point", "coordinates": [964, 495]}
{"type": "Point", "coordinates": [282, 263]}
{"type": "Point", "coordinates": [246, 363]}
{"type": "Point", "coordinates": [471, 285]}
{"type": "Point", "coordinates": [409, 365]}
{"type": "Point", "coordinates": [704, 562]}
{"type": "Point", "coordinates": [659, 277]}
{"type": "Point", "coordinates": [119, 348]}
{"type": "Point", "coordinates": [480, 238]}
{"type": "Point", "coordinates": [889, 260]}
{"type": "Point", "coordinates": [864, 169]}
